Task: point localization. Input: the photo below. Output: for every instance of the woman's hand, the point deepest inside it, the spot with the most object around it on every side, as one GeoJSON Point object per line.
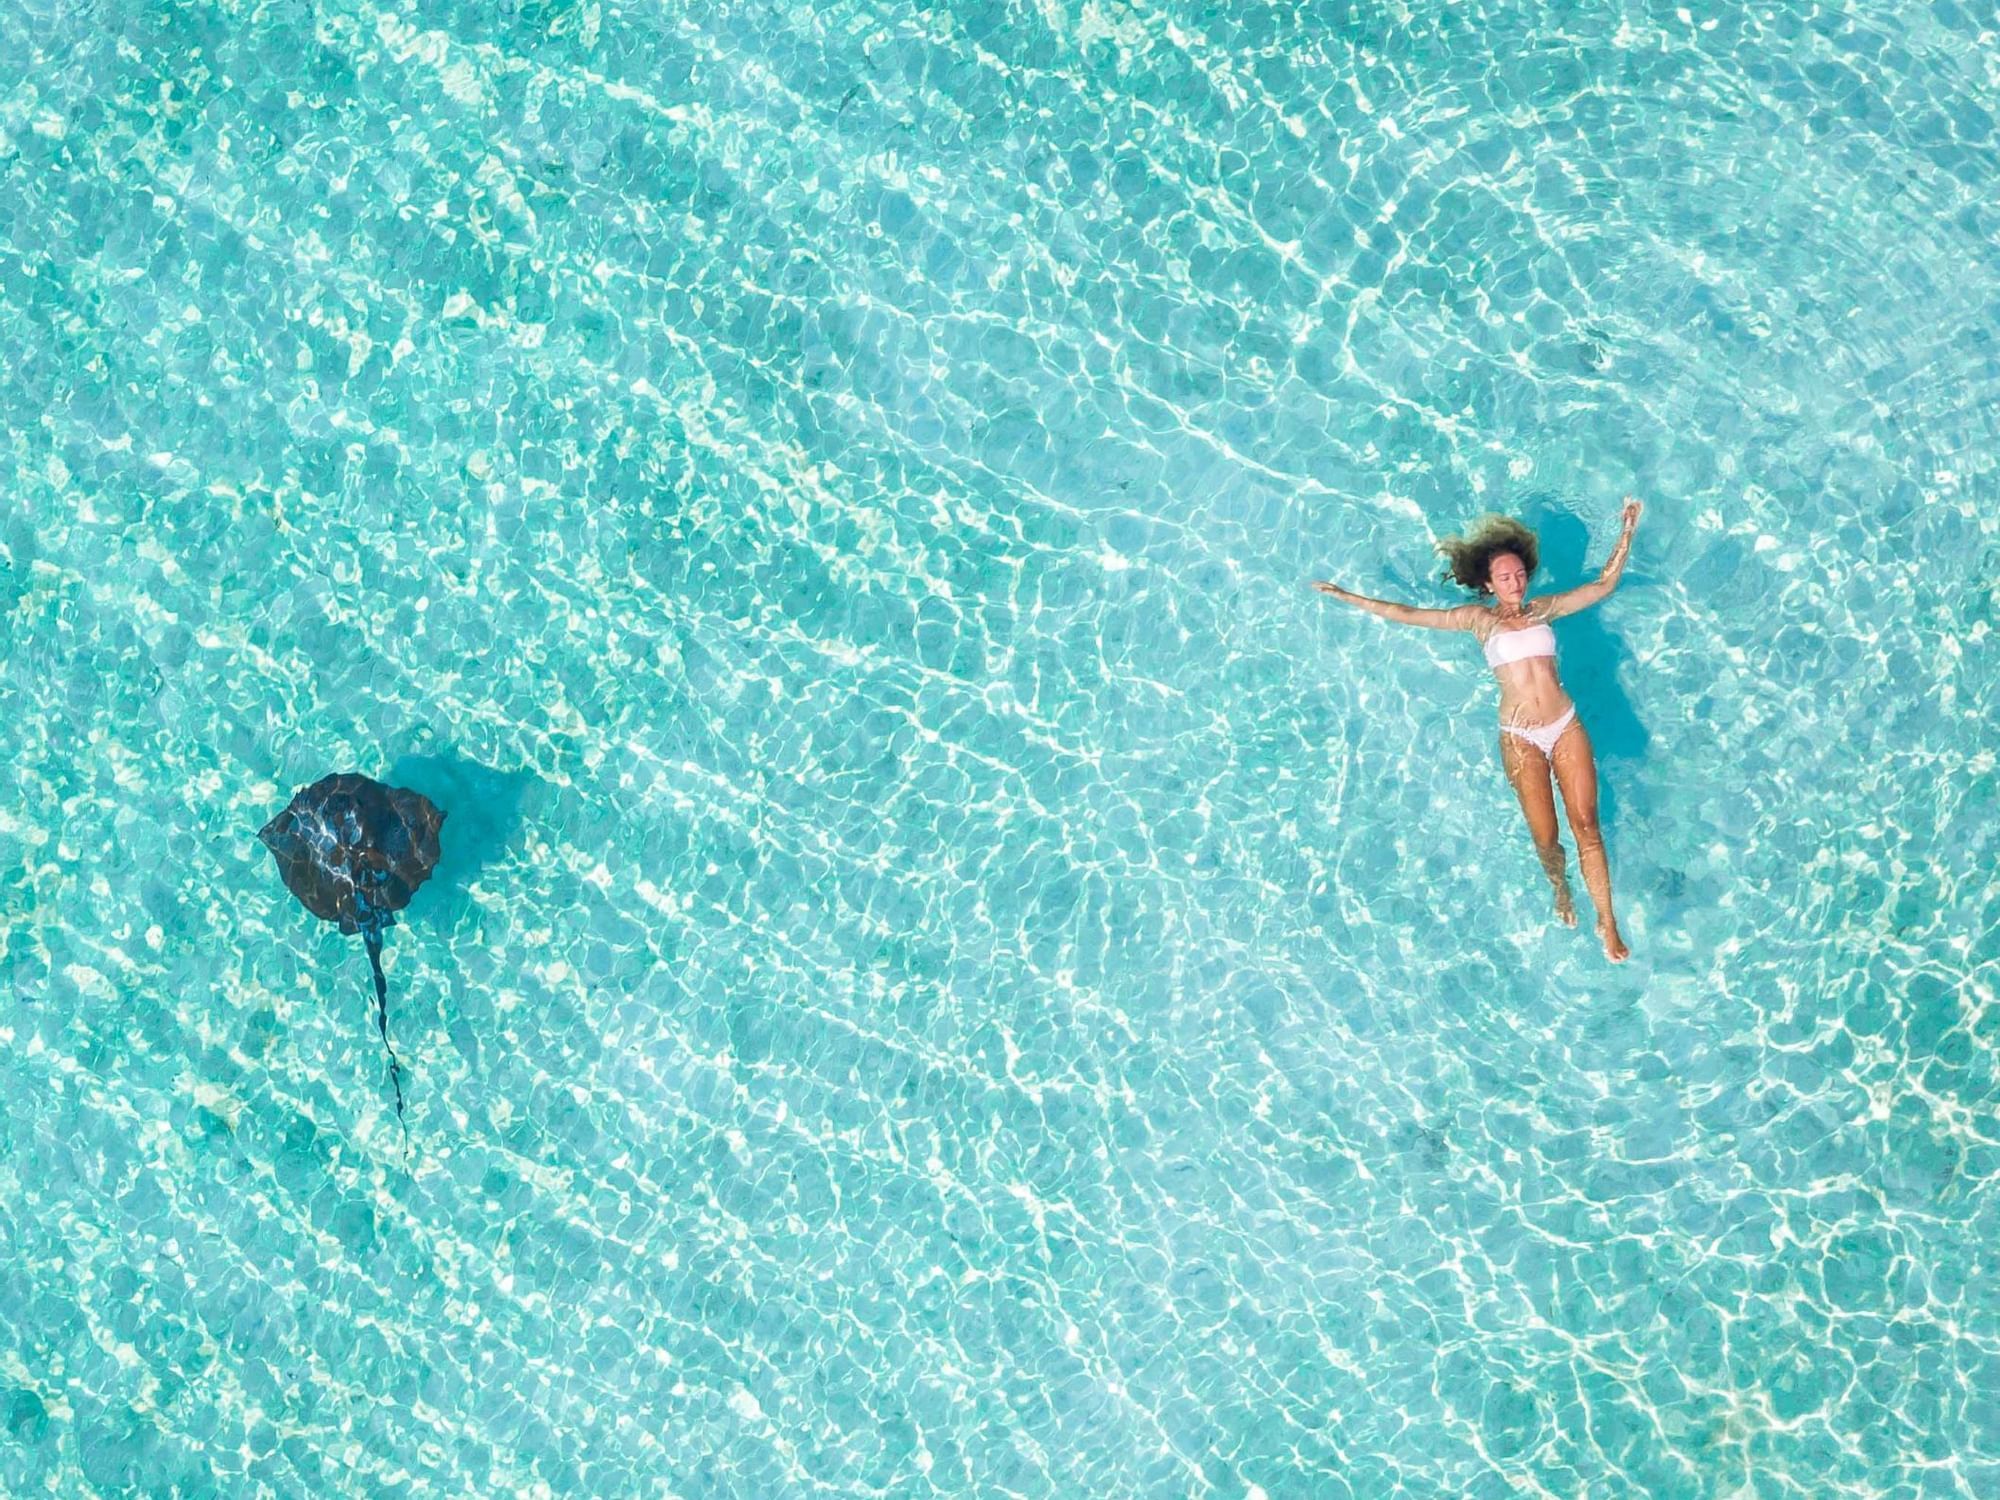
{"type": "Point", "coordinates": [1632, 509]}
{"type": "Point", "coordinates": [1331, 588]}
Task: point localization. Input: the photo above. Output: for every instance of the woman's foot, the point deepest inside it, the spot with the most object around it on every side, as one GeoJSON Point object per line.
{"type": "Point", "coordinates": [1614, 945]}
{"type": "Point", "coordinates": [1557, 870]}
{"type": "Point", "coordinates": [1565, 907]}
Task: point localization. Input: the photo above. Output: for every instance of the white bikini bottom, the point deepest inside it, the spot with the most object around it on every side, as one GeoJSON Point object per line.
{"type": "Point", "coordinates": [1543, 736]}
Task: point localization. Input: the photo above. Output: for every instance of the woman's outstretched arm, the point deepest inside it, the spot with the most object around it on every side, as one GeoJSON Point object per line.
{"type": "Point", "coordinates": [1569, 601]}
{"type": "Point", "coordinates": [1459, 618]}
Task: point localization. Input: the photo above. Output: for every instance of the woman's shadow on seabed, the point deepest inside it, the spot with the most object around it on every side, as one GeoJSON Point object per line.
{"type": "Point", "coordinates": [1591, 654]}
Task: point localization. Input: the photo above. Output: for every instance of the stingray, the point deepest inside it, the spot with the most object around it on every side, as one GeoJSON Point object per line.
{"type": "Point", "coordinates": [354, 851]}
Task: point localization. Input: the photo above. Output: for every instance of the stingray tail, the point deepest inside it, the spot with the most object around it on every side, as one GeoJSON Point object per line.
{"type": "Point", "coordinates": [372, 935]}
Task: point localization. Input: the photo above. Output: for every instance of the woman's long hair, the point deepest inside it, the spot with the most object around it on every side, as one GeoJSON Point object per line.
{"type": "Point", "coordinates": [1469, 558]}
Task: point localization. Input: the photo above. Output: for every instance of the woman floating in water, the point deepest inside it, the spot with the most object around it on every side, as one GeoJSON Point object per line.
{"type": "Point", "coordinates": [1538, 724]}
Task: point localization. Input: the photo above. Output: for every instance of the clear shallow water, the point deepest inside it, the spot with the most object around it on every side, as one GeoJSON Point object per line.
{"type": "Point", "coordinates": [954, 973]}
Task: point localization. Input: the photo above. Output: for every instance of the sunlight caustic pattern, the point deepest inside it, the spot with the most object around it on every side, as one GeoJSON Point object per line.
{"type": "Point", "coordinates": [953, 972]}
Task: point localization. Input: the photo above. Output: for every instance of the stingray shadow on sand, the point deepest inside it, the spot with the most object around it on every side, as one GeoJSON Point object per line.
{"type": "Point", "coordinates": [487, 808]}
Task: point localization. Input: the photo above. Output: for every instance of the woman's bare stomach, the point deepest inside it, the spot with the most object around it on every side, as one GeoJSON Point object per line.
{"type": "Point", "coordinates": [1531, 694]}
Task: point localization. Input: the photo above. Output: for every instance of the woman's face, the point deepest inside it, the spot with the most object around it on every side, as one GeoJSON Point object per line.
{"type": "Point", "coordinates": [1507, 576]}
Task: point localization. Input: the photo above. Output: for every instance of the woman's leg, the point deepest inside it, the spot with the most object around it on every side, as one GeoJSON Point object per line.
{"type": "Point", "coordinates": [1528, 769]}
{"type": "Point", "coordinates": [1576, 773]}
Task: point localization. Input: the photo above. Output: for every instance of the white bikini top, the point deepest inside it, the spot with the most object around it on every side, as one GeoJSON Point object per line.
{"type": "Point", "coordinates": [1504, 646]}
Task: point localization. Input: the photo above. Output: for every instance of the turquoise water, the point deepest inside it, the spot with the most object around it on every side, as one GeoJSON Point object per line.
{"type": "Point", "coordinates": [953, 972]}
